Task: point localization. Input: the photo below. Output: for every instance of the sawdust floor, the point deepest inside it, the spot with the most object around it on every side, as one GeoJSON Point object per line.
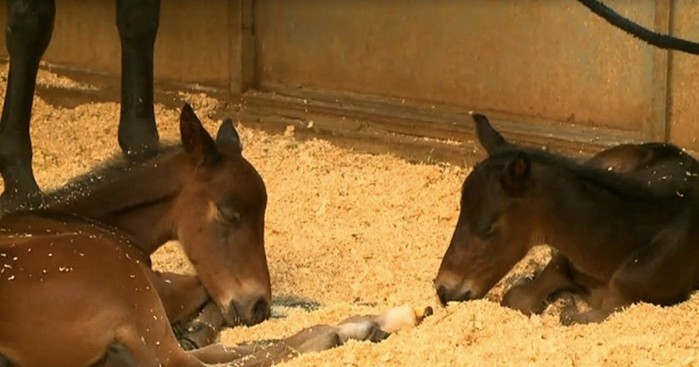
{"type": "Point", "coordinates": [355, 233]}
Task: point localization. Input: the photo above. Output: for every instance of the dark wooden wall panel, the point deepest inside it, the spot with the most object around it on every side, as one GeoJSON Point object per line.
{"type": "Point", "coordinates": [684, 79]}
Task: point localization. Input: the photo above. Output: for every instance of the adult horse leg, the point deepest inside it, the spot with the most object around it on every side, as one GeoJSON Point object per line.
{"type": "Point", "coordinates": [533, 296]}
{"type": "Point", "coordinates": [137, 22]}
{"type": "Point", "coordinates": [28, 33]}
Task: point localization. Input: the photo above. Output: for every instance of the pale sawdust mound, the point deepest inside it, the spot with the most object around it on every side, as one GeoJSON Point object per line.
{"type": "Point", "coordinates": [359, 233]}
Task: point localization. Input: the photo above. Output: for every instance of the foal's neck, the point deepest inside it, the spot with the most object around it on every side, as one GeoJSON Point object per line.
{"type": "Point", "coordinates": [595, 226]}
{"type": "Point", "coordinates": [136, 199]}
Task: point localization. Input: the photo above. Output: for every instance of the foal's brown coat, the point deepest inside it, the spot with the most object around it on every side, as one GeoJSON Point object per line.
{"type": "Point", "coordinates": [69, 288]}
{"type": "Point", "coordinates": [204, 194]}
{"type": "Point", "coordinates": [76, 293]}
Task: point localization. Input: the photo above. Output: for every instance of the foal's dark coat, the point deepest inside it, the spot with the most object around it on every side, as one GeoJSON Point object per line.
{"type": "Point", "coordinates": [623, 235]}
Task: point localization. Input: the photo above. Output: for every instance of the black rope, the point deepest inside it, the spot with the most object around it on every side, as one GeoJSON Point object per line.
{"type": "Point", "coordinates": [656, 39]}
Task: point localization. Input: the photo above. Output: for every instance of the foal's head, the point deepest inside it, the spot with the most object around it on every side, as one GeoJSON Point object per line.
{"type": "Point", "coordinates": [493, 231]}
{"type": "Point", "coordinates": [219, 218]}
{"type": "Point", "coordinates": [491, 234]}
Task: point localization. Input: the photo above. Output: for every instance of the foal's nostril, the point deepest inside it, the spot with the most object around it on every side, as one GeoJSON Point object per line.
{"type": "Point", "coordinates": [233, 315]}
{"type": "Point", "coordinates": [260, 311]}
{"type": "Point", "coordinates": [442, 294]}
{"type": "Point", "coordinates": [466, 296]}
{"type": "Point", "coordinates": [249, 313]}
{"type": "Point", "coordinates": [446, 295]}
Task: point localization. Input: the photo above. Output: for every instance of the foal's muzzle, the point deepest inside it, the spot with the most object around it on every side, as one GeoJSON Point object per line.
{"type": "Point", "coordinates": [447, 295]}
{"type": "Point", "coordinates": [248, 313]}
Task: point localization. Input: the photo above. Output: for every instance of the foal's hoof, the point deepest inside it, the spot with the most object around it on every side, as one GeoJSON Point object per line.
{"type": "Point", "coordinates": [569, 314]}
{"type": "Point", "coordinates": [314, 339]}
{"type": "Point", "coordinates": [187, 344]}
{"type": "Point", "coordinates": [402, 317]}
{"type": "Point", "coordinates": [378, 335]}
{"type": "Point", "coordinates": [203, 330]}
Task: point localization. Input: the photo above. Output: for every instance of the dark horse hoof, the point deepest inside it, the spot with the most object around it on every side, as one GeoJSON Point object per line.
{"type": "Point", "coordinates": [20, 184]}
{"type": "Point", "coordinates": [138, 138]}
{"type": "Point", "coordinates": [12, 202]}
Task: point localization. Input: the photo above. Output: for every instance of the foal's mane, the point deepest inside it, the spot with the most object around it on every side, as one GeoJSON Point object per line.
{"type": "Point", "coordinates": [108, 171]}
{"type": "Point", "coordinates": [612, 182]}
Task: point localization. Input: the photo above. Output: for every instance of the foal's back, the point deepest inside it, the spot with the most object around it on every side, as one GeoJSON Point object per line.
{"type": "Point", "coordinates": [663, 167]}
{"type": "Point", "coordinates": [68, 283]}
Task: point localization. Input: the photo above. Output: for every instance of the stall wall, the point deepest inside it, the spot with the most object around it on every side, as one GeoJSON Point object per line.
{"type": "Point", "coordinates": [544, 70]}
{"type": "Point", "coordinates": [549, 59]}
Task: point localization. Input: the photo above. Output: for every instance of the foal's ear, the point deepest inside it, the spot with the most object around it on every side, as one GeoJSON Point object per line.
{"type": "Point", "coordinates": [197, 142]}
{"type": "Point", "coordinates": [489, 138]}
{"type": "Point", "coordinates": [228, 136]}
{"type": "Point", "coordinates": [516, 173]}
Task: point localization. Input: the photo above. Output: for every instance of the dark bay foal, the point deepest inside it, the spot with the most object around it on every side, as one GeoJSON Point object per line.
{"type": "Point", "coordinates": [28, 33]}
{"type": "Point", "coordinates": [623, 234]}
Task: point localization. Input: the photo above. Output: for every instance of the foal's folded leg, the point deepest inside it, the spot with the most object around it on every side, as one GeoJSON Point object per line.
{"type": "Point", "coordinates": [182, 295]}
{"type": "Point", "coordinates": [312, 339]}
{"type": "Point", "coordinates": [533, 296]}
{"type": "Point", "coordinates": [611, 301]}
{"type": "Point", "coordinates": [196, 322]}
{"type": "Point", "coordinates": [203, 329]}
{"type": "Point", "coordinates": [217, 353]}
{"type": "Point", "coordinates": [316, 338]}
{"type": "Point", "coordinates": [661, 273]}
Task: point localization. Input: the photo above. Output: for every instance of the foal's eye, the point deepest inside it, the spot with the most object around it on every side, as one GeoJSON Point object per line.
{"type": "Point", "coordinates": [230, 215]}
{"type": "Point", "coordinates": [489, 230]}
